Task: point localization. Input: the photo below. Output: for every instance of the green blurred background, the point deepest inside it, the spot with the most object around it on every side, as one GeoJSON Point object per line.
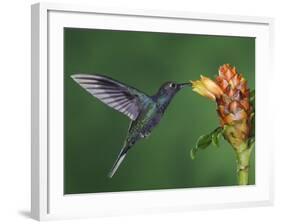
{"type": "Point", "coordinates": [94, 133]}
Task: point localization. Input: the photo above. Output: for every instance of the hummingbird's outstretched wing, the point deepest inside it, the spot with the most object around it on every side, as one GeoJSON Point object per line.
{"type": "Point", "coordinates": [115, 94]}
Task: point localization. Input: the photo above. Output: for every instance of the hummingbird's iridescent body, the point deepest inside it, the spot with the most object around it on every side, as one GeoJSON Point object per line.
{"type": "Point", "coordinates": [144, 111]}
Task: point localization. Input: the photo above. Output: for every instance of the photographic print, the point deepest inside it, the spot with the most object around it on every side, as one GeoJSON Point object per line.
{"type": "Point", "coordinates": [152, 111]}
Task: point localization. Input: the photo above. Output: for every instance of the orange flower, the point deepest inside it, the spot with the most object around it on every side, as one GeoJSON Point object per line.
{"type": "Point", "coordinates": [232, 96]}
{"type": "Point", "coordinates": [231, 93]}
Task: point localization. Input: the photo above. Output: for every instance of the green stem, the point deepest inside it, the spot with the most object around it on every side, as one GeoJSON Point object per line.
{"type": "Point", "coordinates": [243, 155]}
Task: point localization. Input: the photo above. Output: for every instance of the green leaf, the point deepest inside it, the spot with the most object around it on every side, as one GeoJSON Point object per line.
{"type": "Point", "coordinates": [204, 141]}
{"type": "Point", "coordinates": [216, 136]}
{"type": "Point", "coordinates": [215, 140]}
{"type": "Point", "coordinates": [253, 125]}
{"type": "Point", "coordinates": [193, 152]}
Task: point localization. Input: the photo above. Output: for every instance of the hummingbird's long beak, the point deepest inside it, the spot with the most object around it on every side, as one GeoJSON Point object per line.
{"type": "Point", "coordinates": [182, 85]}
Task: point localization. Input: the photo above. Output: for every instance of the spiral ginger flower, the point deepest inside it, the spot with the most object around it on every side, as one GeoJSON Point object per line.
{"type": "Point", "coordinates": [232, 96]}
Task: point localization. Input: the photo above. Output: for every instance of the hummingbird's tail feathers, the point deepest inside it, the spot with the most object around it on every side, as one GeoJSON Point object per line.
{"type": "Point", "coordinates": [116, 165]}
{"type": "Point", "coordinates": [118, 161]}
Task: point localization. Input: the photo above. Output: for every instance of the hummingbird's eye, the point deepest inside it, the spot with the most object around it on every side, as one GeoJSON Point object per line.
{"type": "Point", "coordinates": [173, 85]}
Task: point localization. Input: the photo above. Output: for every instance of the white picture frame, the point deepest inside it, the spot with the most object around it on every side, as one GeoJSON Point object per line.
{"type": "Point", "coordinates": [48, 201]}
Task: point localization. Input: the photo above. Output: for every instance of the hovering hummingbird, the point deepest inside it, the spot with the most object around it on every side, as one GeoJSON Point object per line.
{"type": "Point", "coordinates": [144, 111]}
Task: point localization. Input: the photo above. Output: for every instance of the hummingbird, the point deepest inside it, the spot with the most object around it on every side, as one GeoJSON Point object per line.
{"type": "Point", "coordinates": [144, 111]}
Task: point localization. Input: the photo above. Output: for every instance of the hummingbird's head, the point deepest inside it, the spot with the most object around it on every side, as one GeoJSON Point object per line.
{"type": "Point", "coordinates": [171, 88]}
{"type": "Point", "coordinates": [167, 91]}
